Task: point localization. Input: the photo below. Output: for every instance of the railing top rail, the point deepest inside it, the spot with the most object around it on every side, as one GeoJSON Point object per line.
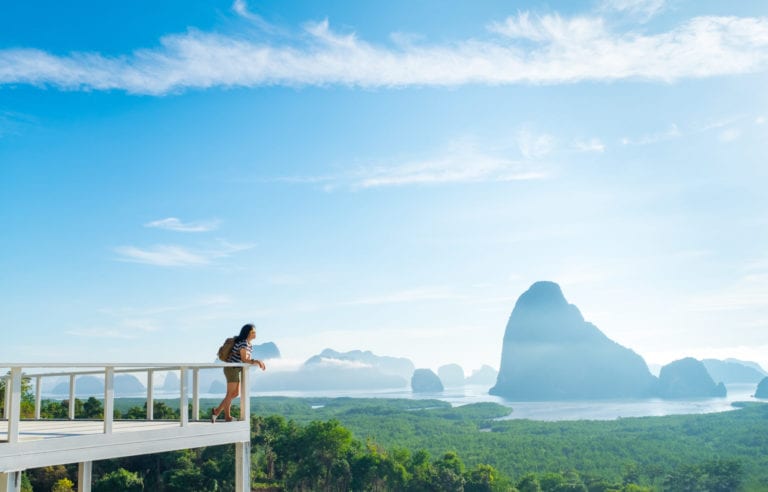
{"type": "Point", "coordinates": [140, 365]}
{"type": "Point", "coordinates": [119, 367]}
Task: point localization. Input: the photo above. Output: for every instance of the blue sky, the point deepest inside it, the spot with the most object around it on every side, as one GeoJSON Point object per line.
{"type": "Point", "coordinates": [387, 176]}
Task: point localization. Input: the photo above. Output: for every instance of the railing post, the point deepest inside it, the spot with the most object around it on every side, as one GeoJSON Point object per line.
{"type": "Point", "coordinates": [84, 476]}
{"type": "Point", "coordinates": [150, 394]}
{"type": "Point", "coordinates": [245, 399]}
{"type": "Point", "coordinates": [109, 398]}
{"type": "Point", "coordinates": [196, 393]}
{"type": "Point", "coordinates": [13, 403]}
{"type": "Point", "coordinates": [71, 412]}
{"type": "Point", "coordinates": [7, 395]}
{"type": "Point", "coordinates": [38, 394]}
{"type": "Point", "coordinates": [183, 411]}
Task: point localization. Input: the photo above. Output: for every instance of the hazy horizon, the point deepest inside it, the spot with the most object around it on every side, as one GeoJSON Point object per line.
{"type": "Point", "coordinates": [384, 177]}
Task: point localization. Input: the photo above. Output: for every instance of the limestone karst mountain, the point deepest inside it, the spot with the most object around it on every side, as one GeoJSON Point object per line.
{"type": "Point", "coordinates": [398, 366]}
{"type": "Point", "coordinates": [451, 375]}
{"type": "Point", "coordinates": [425, 381]}
{"type": "Point", "coordinates": [485, 376]}
{"type": "Point", "coordinates": [332, 370]}
{"type": "Point", "coordinates": [688, 378]}
{"type": "Point", "coordinates": [551, 353]}
{"type": "Point", "coordinates": [762, 389]}
{"type": "Point", "coordinates": [733, 371]}
{"type": "Point", "coordinates": [265, 351]}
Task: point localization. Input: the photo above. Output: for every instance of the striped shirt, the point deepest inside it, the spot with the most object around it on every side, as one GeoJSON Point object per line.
{"type": "Point", "coordinates": [235, 355]}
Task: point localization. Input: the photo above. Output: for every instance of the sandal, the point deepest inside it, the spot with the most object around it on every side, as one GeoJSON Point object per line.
{"type": "Point", "coordinates": [214, 416]}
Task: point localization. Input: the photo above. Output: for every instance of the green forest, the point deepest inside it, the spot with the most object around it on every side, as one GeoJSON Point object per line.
{"type": "Point", "coordinates": [339, 444]}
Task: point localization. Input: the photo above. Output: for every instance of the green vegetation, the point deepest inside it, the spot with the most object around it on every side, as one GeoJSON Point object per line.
{"type": "Point", "coordinates": [419, 445]}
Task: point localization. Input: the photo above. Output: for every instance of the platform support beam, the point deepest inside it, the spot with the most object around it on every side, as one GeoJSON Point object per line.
{"type": "Point", "coordinates": [84, 476]}
{"type": "Point", "coordinates": [243, 466]}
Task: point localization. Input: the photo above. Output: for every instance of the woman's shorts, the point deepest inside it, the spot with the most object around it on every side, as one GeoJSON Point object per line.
{"type": "Point", "coordinates": [232, 374]}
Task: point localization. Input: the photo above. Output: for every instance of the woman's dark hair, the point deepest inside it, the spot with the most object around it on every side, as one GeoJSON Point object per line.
{"type": "Point", "coordinates": [244, 331]}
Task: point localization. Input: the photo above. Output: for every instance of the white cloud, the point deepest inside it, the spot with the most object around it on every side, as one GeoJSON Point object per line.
{"type": "Point", "coordinates": [643, 8]}
{"type": "Point", "coordinates": [671, 133]}
{"type": "Point", "coordinates": [542, 50]}
{"type": "Point", "coordinates": [408, 295]}
{"type": "Point", "coordinates": [205, 302]}
{"type": "Point", "coordinates": [173, 255]}
{"type": "Point", "coordinates": [748, 292]}
{"type": "Point", "coordinates": [161, 255]}
{"type": "Point", "coordinates": [174, 224]}
{"type": "Point", "coordinates": [591, 145]}
{"type": "Point", "coordinates": [534, 145]}
{"type": "Point", "coordinates": [343, 364]}
{"type": "Point", "coordinates": [465, 161]}
{"type": "Point", "coordinates": [119, 334]}
{"type": "Point", "coordinates": [760, 120]}
{"type": "Point", "coordinates": [241, 8]}
{"type": "Point", "coordinates": [550, 28]}
{"type": "Point", "coordinates": [729, 135]}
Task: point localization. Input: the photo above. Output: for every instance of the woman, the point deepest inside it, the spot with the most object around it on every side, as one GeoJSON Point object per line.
{"type": "Point", "coordinates": [241, 353]}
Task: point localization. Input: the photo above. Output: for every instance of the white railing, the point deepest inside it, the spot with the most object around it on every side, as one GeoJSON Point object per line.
{"type": "Point", "coordinates": [13, 380]}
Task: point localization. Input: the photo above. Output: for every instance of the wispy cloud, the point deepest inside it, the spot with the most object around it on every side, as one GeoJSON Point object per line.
{"type": "Point", "coordinates": [669, 134]}
{"type": "Point", "coordinates": [408, 295]}
{"type": "Point", "coordinates": [102, 333]}
{"type": "Point", "coordinates": [162, 255]}
{"type": "Point", "coordinates": [127, 329]}
{"type": "Point", "coordinates": [13, 123]}
{"type": "Point", "coordinates": [241, 8]}
{"type": "Point", "coordinates": [642, 8]}
{"type": "Point", "coordinates": [749, 291]}
{"type": "Point", "coordinates": [464, 160]}
{"type": "Point", "coordinates": [460, 168]}
{"type": "Point", "coordinates": [532, 50]}
{"type": "Point", "coordinates": [205, 302]}
{"type": "Point", "coordinates": [178, 256]}
{"type": "Point", "coordinates": [591, 145]}
{"type": "Point", "coordinates": [174, 224]}
{"type": "Point", "coordinates": [729, 135]}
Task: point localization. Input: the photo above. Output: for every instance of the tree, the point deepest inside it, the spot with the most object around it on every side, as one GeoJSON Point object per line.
{"type": "Point", "coordinates": [449, 472]}
{"type": "Point", "coordinates": [686, 478]}
{"type": "Point", "coordinates": [26, 485]}
{"type": "Point", "coordinates": [375, 470]}
{"type": "Point", "coordinates": [63, 485]}
{"type": "Point", "coordinates": [323, 463]}
{"type": "Point", "coordinates": [529, 483]}
{"type": "Point", "coordinates": [27, 398]}
{"type": "Point", "coordinates": [161, 411]}
{"type": "Point", "coordinates": [93, 409]}
{"type": "Point", "coordinates": [485, 478]}
{"type": "Point", "coordinates": [722, 475]}
{"type": "Point", "coordinates": [120, 479]}
{"type": "Point", "coordinates": [46, 477]}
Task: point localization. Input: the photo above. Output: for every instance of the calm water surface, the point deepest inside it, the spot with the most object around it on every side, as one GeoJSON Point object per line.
{"type": "Point", "coordinates": [557, 410]}
{"type": "Point", "coordinates": [534, 410]}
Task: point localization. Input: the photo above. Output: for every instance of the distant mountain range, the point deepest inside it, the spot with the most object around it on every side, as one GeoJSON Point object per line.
{"type": "Point", "coordinates": [734, 371]}
{"type": "Point", "coordinates": [549, 352]}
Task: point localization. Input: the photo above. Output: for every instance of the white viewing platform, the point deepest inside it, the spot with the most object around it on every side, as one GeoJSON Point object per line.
{"type": "Point", "coordinates": [34, 442]}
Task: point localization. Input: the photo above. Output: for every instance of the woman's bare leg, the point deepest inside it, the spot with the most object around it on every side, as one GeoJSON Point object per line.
{"type": "Point", "coordinates": [233, 391]}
